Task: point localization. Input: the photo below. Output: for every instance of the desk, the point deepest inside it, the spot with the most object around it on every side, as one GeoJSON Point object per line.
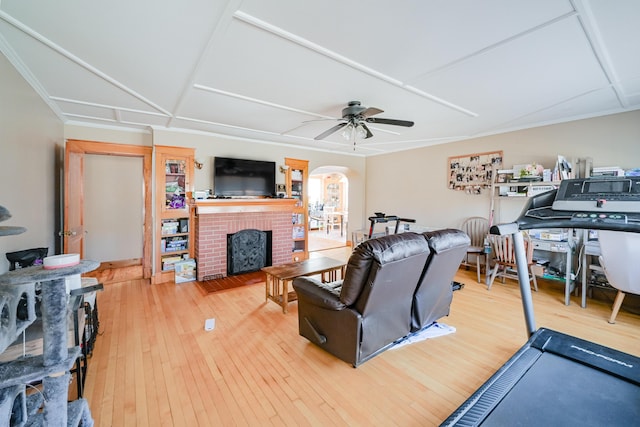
{"type": "Point", "coordinates": [563, 248]}
{"type": "Point", "coordinates": [278, 277]}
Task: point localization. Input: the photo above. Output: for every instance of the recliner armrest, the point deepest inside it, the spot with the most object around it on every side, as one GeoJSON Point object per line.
{"type": "Point", "coordinates": [313, 291]}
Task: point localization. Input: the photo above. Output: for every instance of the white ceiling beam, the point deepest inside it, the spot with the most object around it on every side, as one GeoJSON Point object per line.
{"type": "Point", "coordinates": [494, 46]}
{"type": "Point", "coordinates": [219, 28]}
{"type": "Point", "coordinates": [257, 101]}
{"type": "Point", "coordinates": [108, 106]}
{"type": "Point", "coordinates": [265, 26]}
{"type": "Point", "coordinates": [594, 37]}
{"type": "Point", "coordinates": [58, 49]}
{"type": "Point", "coordinates": [24, 71]}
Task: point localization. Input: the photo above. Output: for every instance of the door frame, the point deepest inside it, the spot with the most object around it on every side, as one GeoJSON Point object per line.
{"type": "Point", "coordinates": [81, 148]}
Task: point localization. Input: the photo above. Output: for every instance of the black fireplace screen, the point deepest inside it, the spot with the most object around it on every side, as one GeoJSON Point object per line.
{"type": "Point", "coordinates": [248, 250]}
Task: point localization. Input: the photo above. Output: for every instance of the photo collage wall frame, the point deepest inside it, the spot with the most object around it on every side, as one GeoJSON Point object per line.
{"type": "Point", "coordinates": [472, 172]}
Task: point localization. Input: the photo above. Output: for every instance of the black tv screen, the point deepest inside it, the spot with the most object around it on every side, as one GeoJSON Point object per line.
{"type": "Point", "coordinates": [243, 178]}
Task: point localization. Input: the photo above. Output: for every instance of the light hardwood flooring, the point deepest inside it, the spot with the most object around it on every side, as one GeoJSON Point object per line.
{"type": "Point", "coordinates": [155, 365]}
{"type": "Point", "coordinates": [320, 240]}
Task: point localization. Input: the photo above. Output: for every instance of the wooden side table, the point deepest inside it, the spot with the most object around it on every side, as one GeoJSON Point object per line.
{"type": "Point", "coordinates": [278, 277]}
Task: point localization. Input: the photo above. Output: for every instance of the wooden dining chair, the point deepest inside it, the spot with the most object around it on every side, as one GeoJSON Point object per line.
{"type": "Point", "coordinates": [505, 259]}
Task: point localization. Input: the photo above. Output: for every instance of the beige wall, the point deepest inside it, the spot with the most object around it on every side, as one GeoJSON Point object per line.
{"type": "Point", "coordinates": [31, 137]}
{"type": "Point", "coordinates": [413, 183]}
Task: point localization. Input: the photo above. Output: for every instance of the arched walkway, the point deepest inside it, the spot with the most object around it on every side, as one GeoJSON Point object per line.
{"type": "Point", "coordinates": [328, 208]}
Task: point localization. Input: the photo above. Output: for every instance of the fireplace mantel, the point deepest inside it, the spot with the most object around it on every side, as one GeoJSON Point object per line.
{"type": "Point", "coordinates": [212, 206]}
{"type": "Point", "coordinates": [217, 218]}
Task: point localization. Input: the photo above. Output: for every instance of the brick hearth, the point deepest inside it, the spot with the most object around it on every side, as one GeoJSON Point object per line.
{"type": "Point", "coordinates": [217, 218]}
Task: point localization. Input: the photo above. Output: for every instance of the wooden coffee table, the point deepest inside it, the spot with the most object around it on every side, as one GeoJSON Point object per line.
{"type": "Point", "coordinates": [278, 277]}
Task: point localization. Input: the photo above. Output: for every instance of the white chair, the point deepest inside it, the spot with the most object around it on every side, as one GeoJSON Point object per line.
{"type": "Point", "coordinates": [477, 229]}
{"type": "Point", "coordinates": [620, 255]}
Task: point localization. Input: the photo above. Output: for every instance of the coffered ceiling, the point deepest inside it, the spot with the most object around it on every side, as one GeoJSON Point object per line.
{"type": "Point", "coordinates": [282, 70]}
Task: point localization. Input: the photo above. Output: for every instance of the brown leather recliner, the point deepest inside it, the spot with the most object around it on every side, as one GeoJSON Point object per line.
{"type": "Point", "coordinates": [434, 293]}
{"type": "Point", "coordinates": [362, 315]}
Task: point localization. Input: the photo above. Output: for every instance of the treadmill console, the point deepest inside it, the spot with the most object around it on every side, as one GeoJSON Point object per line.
{"type": "Point", "coordinates": [599, 194]}
{"type": "Point", "coordinates": [599, 203]}
{"type": "Point", "coordinates": [592, 217]}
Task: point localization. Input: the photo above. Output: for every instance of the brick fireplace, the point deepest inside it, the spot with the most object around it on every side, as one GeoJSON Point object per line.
{"type": "Point", "coordinates": [215, 219]}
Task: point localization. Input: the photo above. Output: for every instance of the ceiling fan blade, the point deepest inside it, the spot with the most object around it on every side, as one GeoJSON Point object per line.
{"type": "Point", "coordinates": [328, 132]}
{"type": "Point", "coordinates": [322, 120]}
{"type": "Point", "coordinates": [366, 129]}
{"type": "Point", "coordinates": [371, 111]}
{"type": "Point", "coordinates": [405, 123]}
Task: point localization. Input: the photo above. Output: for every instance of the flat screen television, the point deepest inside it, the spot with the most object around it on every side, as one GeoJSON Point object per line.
{"type": "Point", "coordinates": [243, 178]}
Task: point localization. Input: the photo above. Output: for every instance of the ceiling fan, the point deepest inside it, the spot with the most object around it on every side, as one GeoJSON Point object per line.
{"type": "Point", "coordinates": [355, 117]}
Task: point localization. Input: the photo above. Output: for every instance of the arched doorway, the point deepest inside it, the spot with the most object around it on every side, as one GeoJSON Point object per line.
{"type": "Point", "coordinates": [328, 208]}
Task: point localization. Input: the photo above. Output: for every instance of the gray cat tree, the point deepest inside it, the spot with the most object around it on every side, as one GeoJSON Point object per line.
{"type": "Point", "coordinates": [49, 407]}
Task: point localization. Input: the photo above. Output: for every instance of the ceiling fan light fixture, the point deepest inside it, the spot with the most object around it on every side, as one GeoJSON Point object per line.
{"type": "Point", "coordinates": [353, 131]}
{"type": "Point", "coordinates": [348, 132]}
{"type": "Point", "coordinates": [354, 122]}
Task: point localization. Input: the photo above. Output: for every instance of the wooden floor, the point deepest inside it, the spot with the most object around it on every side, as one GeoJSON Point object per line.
{"type": "Point", "coordinates": [321, 240]}
{"type": "Point", "coordinates": [155, 365]}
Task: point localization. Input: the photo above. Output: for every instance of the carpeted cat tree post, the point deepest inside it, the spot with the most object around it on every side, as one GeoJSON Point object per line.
{"type": "Point", "coordinates": [49, 408]}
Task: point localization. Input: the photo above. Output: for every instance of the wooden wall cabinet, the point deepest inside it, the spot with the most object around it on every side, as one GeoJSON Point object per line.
{"type": "Point", "coordinates": [333, 193]}
{"type": "Point", "coordinates": [174, 209]}
{"type": "Point", "coordinates": [297, 188]}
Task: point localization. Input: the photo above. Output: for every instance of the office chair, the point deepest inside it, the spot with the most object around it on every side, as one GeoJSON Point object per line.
{"type": "Point", "coordinates": [505, 258]}
{"type": "Point", "coordinates": [477, 229]}
{"type": "Point", "coordinates": [620, 252]}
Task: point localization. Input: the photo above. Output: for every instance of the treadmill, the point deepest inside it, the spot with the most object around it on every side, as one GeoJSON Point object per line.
{"type": "Point", "coordinates": [558, 379]}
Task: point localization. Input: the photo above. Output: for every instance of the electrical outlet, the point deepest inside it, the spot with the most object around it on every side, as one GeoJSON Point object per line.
{"type": "Point", "coordinates": [209, 324]}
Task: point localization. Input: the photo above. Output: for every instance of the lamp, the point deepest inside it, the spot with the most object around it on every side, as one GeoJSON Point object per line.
{"type": "Point", "coordinates": [284, 168]}
{"type": "Point", "coordinates": [198, 164]}
{"type": "Point", "coordinates": [353, 131]}
{"type": "Point", "coordinates": [346, 132]}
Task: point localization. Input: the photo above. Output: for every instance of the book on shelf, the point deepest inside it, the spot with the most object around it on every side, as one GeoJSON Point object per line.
{"type": "Point", "coordinates": [174, 245]}
{"type": "Point", "coordinates": [298, 232]}
{"type": "Point", "coordinates": [168, 262]}
{"type": "Point", "coordinates": [170, 227]}
{"type": "Point", "coordinates": [534, 190]}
